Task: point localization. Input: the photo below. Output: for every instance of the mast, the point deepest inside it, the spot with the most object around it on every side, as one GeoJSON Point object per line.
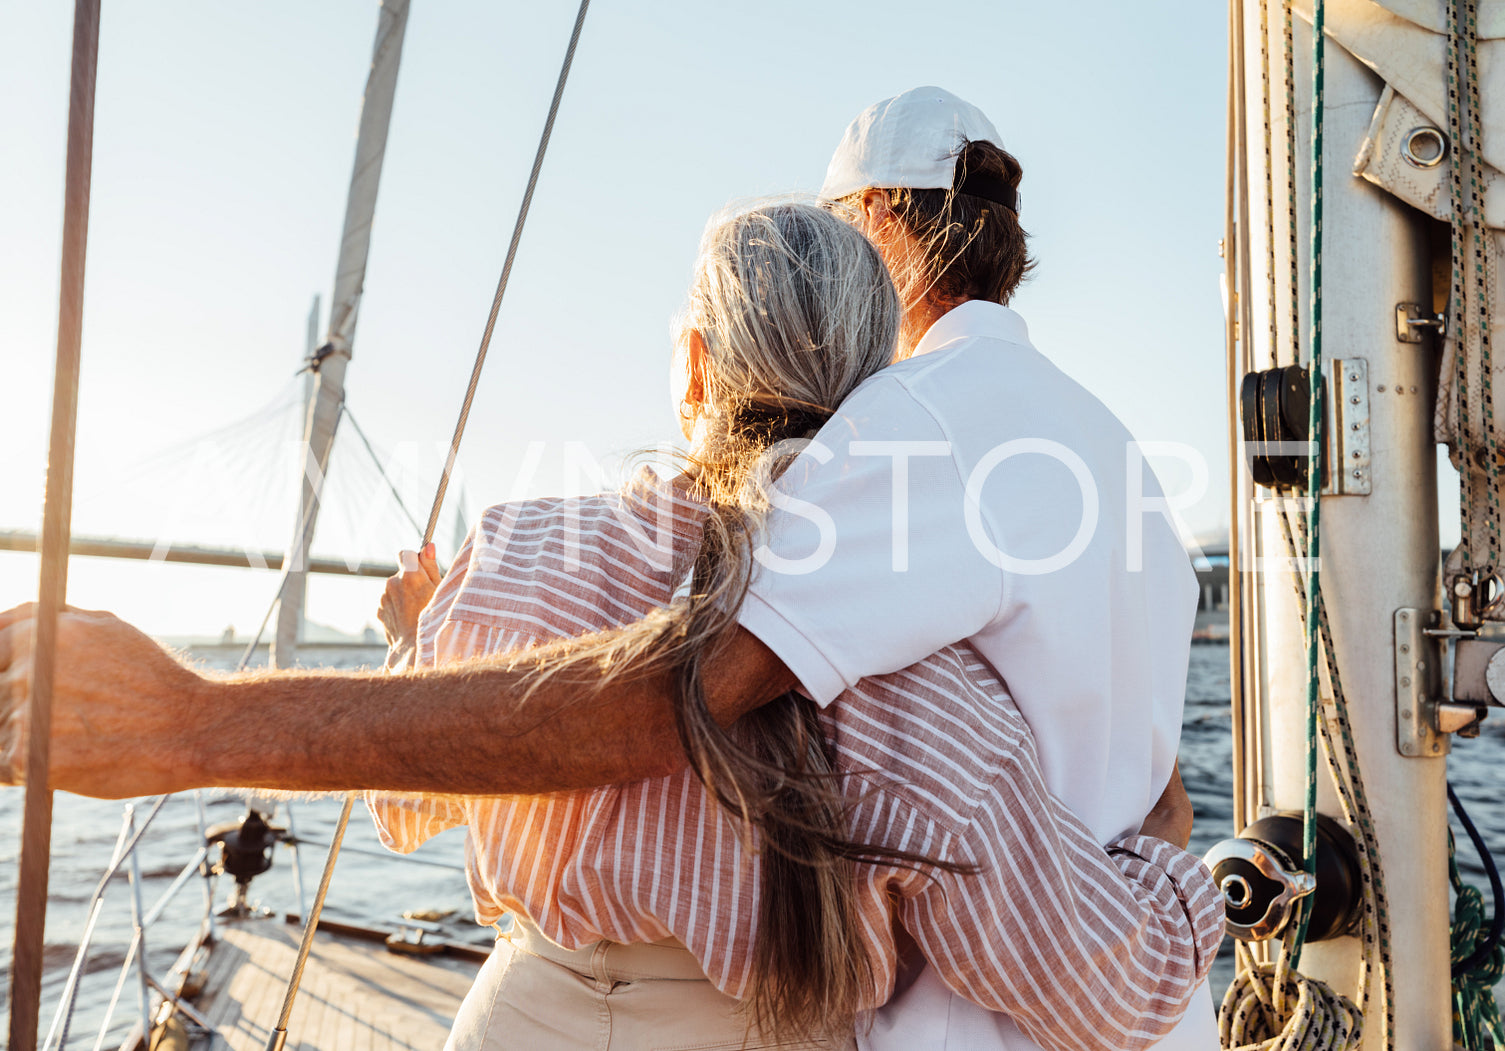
{"type": "Point", "coordinates": [1379, 548]}
{"type": "Point", "coordinates": [330, 361]}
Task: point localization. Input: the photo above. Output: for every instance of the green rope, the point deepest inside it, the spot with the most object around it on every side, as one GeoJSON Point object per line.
{"type": "Point", "coordinates": [1476, 1016]}
{"type": "Point", "coordinates": [1313, 484]}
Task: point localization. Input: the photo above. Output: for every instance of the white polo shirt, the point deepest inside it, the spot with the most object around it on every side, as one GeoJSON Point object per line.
{"type": "Point", "coordinates": [976, 492]}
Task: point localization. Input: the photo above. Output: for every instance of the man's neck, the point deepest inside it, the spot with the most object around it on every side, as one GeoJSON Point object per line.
{"type": "Point", "coordinates": [918, 319]}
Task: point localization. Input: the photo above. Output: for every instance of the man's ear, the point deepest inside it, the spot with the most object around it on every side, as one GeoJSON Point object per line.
{"type": "Point", "coordinates": [695, 367]}
{"type": "Point", "coordinates": [877, 213]}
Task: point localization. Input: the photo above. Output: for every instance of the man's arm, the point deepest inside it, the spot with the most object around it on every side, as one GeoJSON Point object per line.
{"type": "Point", "coordinates": [1081, 947]}
{"type": "Point", "coordinates": [130, 720]}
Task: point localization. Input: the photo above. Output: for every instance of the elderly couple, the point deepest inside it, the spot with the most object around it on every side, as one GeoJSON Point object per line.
{"type": "Point", "coordinates": [886, 719]}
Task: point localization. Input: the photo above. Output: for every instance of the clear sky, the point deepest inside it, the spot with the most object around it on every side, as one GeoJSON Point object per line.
{"type": "Point", "coordinates": [223, 142]}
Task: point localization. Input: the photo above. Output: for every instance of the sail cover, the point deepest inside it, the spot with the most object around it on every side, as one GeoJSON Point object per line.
{"type": "Point", "coordinates": [1409, 153]}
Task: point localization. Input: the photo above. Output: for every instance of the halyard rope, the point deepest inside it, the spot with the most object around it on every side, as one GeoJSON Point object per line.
{"type": "Point", "coordinates": [1270, 1006]}
{"type": "Point", "coordinates": [279, 1036]}
{"type": "Point", "coordinates": [1476, 1019]}
{"type": "Point", "coordinates": [1471, 302]}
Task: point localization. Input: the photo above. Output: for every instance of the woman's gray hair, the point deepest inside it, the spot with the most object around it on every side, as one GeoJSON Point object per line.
{"type": "Point", "coordinates": [796, 310]}
{"type": "Point", "coordinates": [795, 307]}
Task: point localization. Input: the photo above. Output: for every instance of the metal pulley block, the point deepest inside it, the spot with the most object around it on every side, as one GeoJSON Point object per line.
{"type": "Point", "coordinates": [1262, 880]}
{"type": "Point", "coordinates": [1276, 409]}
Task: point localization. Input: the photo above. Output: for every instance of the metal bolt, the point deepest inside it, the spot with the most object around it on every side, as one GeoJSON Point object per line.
{"type": "Point", "coordinates": [1405, 647]}
{"type": "Point", "coordinates": [1405, 616]}
{"type": "Point", "coordinates": [1421, 665]}
{"type": "Point", "coordinates": [1399, 389]}
{"type": "Point", "coordinates": [1413, 390]}
{"type": "Point", "coordinates": [1436, 747]}
{"type": "Point", "coordinates": [1405, 713]}
{"type": "Point", "coordinates": [1353, 426]}
{"type": "Point", "coordinates": [1358, 474]}
{"type": "Point", "coordinates": [1405, 680]}
{"type": "Point", "coordinates": [1354, 400]}
{"type": "Point", "coordinates": [1353, 375]}
{"type": "Point", "coordinates": [1356, 454]}
{"type": "Point", "coordinates": [1382, 388]}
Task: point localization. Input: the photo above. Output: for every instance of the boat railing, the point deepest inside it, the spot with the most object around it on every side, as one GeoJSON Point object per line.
{"type": "Point", "coordinates": [125, 855]}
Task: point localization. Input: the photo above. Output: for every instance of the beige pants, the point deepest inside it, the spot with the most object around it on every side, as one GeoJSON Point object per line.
{"type": "Point", "coordinates": [531, 995]}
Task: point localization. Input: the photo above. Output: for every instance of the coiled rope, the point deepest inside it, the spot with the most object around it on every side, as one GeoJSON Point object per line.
{"type": "Point", "coordinates": [1477, 953]}
{"type": "Point", "coordinates": [1270, 1007]}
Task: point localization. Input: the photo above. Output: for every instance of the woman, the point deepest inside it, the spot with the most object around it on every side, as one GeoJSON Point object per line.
{"type": "Point", "coordinates": [758, 899]}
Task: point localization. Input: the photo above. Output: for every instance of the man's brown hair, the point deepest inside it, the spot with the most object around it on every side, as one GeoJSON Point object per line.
{"type": "Point", "coordinates": [974, 248]}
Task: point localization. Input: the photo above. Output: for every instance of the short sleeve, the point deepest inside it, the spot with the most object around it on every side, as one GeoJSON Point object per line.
{"type": "Point", "coordinates": [869, 559]}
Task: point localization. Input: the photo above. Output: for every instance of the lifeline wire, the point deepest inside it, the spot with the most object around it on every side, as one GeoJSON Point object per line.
{"type": "Point", "coordinates": [36, 829]}
{"type": "Point", "coordinates": [401, 504]}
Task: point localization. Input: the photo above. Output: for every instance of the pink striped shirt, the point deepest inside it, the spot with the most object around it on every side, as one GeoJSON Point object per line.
{"type": "Point", "coordinates": [1083, 947]}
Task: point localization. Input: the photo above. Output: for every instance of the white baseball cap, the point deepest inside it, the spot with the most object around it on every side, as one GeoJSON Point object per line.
{"type": "Point", "coordinates": [911, 140]}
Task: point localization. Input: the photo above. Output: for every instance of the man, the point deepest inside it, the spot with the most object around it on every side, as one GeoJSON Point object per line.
{"type": "Point", "coordinates": [970, 492]}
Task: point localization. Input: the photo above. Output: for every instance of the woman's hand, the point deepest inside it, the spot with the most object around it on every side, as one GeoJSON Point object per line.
{"type": "Point", "coordinates": [403, 600]}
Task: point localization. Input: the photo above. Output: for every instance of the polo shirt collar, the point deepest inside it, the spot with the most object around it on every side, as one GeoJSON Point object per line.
{"type": "Point", "coordinates": [975, 317]}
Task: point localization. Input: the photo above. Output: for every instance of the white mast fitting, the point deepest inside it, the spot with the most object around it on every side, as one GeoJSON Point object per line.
{"type": "Point", "coordinates": [349, 281]}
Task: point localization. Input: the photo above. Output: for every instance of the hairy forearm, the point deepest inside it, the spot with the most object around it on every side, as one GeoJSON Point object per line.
{"type": "Point", "coordinates": [129, 720]}
{"type": "Point", "coordinates": [464, 729]}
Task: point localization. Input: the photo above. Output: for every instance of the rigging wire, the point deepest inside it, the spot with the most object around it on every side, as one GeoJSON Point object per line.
{"type": "Point", "coordinates": [278, 1037]}
{"type": "Point", "coordinates": [376, 460]}
{"type": "Point", "coordinates": [501, 285]}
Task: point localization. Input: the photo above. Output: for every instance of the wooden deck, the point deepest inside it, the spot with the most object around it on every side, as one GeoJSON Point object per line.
{"type": "Point", "coordinates": [355, 994]}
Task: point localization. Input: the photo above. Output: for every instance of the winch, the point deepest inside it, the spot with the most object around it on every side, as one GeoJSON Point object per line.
{"type": "Point", "coordinates": [1262, 879]}
{"type": "Point", "coordinates": [245, 851]}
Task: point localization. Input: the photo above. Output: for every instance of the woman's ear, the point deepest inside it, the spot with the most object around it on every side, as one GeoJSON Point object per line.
{"type": "Point", "coordinates": [695, 367]}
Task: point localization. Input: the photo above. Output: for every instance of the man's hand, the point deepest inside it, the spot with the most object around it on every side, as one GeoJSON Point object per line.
{"type": "Point", "coordinates": [1171, 818]}
{"type": "Point", "coordinates": [122, 711]}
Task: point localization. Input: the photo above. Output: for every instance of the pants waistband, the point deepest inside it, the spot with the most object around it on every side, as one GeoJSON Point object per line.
{"type": "Point", "coordinates": [606, 961]}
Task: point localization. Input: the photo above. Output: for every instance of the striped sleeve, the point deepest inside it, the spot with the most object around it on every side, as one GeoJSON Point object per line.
{"type": "Point", "coordinates": [1082, 948]}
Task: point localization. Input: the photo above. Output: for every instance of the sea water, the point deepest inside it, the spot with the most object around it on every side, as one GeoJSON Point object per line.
{"type": "Point", "coordinates": [370, 887]}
